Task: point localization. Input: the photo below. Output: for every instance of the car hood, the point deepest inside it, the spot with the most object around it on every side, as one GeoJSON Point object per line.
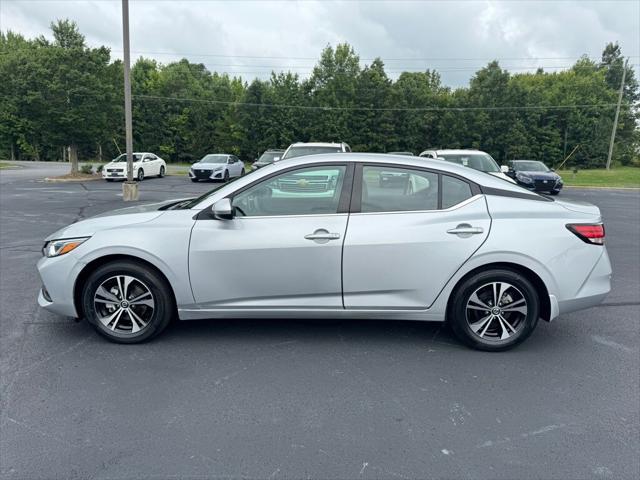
{"type": "Point", "coordinates": [122, 165]}
{"type": "Point", "coordinates": [539, 175]}
{"type": "Point", "coordinates": [112, 219]}
{"type": "Point", "coordinates": [208, 166]}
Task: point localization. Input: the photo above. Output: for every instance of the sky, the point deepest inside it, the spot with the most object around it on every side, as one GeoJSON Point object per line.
{"type": "Point", "coordinates": [254, 37]}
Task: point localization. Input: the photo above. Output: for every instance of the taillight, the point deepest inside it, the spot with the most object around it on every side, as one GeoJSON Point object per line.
{"type": "Point", "coordinates": [588, 232]}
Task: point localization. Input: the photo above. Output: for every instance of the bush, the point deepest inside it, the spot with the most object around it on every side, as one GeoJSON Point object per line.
{"type": "Point", "coordinates": [87, 169]}
{"type": "Point", "coordinates": [99, 169]}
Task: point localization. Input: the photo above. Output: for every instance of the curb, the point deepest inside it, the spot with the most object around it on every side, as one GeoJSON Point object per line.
{"type": "Point", "coordinates": [69, 180]}
{"type": "Point", "coordinates": [598, 187]}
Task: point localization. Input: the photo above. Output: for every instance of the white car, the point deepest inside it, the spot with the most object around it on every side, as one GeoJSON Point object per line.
{"type": "Point", "coordinates": [476, 159]}
{"type": "Point", "coordinates": [217, 166]}
{"type": "Point", "coordinates": [300, 149]}
{"type": "Point", "coordinates": [145, 164]}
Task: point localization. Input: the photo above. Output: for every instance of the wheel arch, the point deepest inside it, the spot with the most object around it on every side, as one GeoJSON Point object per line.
{"type": "Point", "coordinates": [98, 262]}
{"type": "Point", "coordinates": [529, 274]}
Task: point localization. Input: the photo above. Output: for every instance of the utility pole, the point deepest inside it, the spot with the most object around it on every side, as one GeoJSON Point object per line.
{"type": "Point", "coordinates": [615, 120]}
{"type": "Point", "coordinates": [129, 188]}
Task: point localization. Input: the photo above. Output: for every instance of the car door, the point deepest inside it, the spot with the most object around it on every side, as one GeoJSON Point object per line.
{"type": "Point", "coordinates": [406, 239]}
{"type": "Point", "coordinates": [283, 247]}
{"type": "Point", "coordinates": [237, 166]}
{"type": "Point", "coordinates": [156, 162]}
{"type": "Point", "coordinates": [148, 165]}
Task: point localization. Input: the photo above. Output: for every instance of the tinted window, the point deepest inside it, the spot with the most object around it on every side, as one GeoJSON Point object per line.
{"type": "Point", "coordinates": [454, 191]}
{"type": "Point", "coordinates": [529, 166]}
{"type": "Point", "coordinates": [387, 189]}
{"type": "Point", "coordinates": [308, 150]}
{"type": "Point", "coordinates": [477, 161]}
{"type": "Point", "coordinates": [211, 158]}
{"type": "Point", "coordinates": [306, 191]}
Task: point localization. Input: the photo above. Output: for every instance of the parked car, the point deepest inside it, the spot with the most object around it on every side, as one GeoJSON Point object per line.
{"type": "Point", "coordinates": [487, 256]}
{"type": "Point", "coordinates": [534, 175]}
{"type": "Point", "coordinates": [300, 149]}
{"type": "Point", "coordinates": [476, 159]}
{"type": "Point", "coordinates": [408, 154]}
{"type": "Point", "coordinates": [267, 158]}
{"type": "Point", "coordinates": [217, 166]}
{"type": "Point", "coordinates": [145, 164]}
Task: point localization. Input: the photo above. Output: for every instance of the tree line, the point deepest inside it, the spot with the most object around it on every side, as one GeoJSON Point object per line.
{"type": "Point", "coordinates": [62, 96]}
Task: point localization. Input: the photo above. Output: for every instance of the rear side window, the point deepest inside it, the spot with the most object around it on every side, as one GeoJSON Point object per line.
{"type": "Point", "coordinates": [389, 189]}
{"type": "Point", "coordinates": [454, 191]}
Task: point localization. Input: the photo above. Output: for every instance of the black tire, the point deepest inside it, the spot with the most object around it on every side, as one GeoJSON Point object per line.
{"type": "Point", "coordinates": [159, 316]}
{"type": "Point", "coordinates": [109, 179]}
{"type": "Point", "coordinates": [140, 175]}
{"type": "Point", "coordinates": [242, 172]}
{"type": "Point", "coordinates": [226, 176]}
{"type": "Point", "coordinates": [194, 180]}
{"type": "Point", "coordinates": [161, 174]}
{"type": "Point", "coordinates": [554, 192]}
{"type": "Point", "coordinates": [461, 318]}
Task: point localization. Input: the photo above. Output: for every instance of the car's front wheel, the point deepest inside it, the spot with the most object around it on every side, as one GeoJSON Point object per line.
{"type": "Point", "coordinates": [140, 175]}
{"type": "Point", "coordinates": [494, 310]}
{"type": "Point", "coordinates": [161, 174]}
{"type": "Point", "coordinates": [226, 176]}
{"type": "Point", "coordinates": [127, 302]}
{"type": "Point", "coordinates": [554, 192]}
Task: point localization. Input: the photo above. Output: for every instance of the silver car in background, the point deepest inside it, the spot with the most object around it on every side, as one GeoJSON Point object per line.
{"type": "Point", "coordinates": [318, 237]}
{"type": "Point", "coordinates": [476, 159]}
{"type": "Point", "coordinates": [217, 166]}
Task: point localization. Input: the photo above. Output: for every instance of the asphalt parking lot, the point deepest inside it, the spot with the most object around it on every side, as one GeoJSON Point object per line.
{"type": "Point", "coordinates": [282, 399]}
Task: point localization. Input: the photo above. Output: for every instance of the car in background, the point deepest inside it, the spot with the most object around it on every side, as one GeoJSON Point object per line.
{"type": "Point", "coordinates": [145, 164]}
{"type": "Point", "coordinates": [267, 158]}
{"type": "Point", "coordinates": [408, 154]}
{"type": "Point", "coordinates": [217, 166]}
{"type": "Point", "coordinates": [476, 159]}
{"type": "Point", "coordinates": [534, 175]}
{"type": "Point", "coordinates": [300, 149]}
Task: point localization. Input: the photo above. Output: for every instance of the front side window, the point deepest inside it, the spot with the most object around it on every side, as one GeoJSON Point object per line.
{"type": "Point", "coordinates": [305, 191]}
{"type": "Point", "coordinates": [391, 189]}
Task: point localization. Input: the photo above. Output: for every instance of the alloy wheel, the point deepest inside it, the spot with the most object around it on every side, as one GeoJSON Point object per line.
{"type": "Point", "coordinates": [496, 311]}
{"type": "Point", "coordinates": [124, 304]}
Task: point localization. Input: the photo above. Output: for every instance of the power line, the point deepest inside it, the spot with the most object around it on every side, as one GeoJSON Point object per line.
{"type": "Point", "coordinates": [386, 109]}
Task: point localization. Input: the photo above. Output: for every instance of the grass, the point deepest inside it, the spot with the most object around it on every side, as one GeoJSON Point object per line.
{"type": "Point", "coordinates": [6, 165]}
{"type": "Point", "coordinates": [616, 177]}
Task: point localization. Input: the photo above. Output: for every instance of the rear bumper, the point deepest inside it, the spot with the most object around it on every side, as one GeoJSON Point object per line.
{"type": "Point", "coordinates": [594, 289]}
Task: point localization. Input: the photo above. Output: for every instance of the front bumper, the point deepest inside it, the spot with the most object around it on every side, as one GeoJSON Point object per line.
{"type": "Point", "coordinates": [542, 185]}
{"type": "Point", "coordinates": [201, 174]}
{"type": "Point", "coordinates": [58, 276]}
{"type": "Point", "coordinates": [121, 174]}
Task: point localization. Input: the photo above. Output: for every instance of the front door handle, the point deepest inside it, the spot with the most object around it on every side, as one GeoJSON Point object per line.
{"type": "Point", "coordinates": [322, 236]}
{"type": "Point", "coordinates": [465, 230]}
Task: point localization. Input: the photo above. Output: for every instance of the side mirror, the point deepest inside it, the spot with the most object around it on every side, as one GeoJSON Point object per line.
{"type": "Point", "coordinates": [275, 159]}
{"type": "Point", "coordinates": [222, 209]}
{"type": "Point", "coordinates": [552, 169]}
{"type": "Point", "coordinates": [504, 168]}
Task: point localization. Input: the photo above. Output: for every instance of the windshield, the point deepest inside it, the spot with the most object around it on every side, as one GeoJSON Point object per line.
{"type": "Point", "coordinates": [123, 158]}
{"type": "Point", "coordinates": [214, 159]}
{"type": "Point", "coordinates": [529, 166]}
{"type": "Point", "coordinates": [308, 150]}
{"type": "Point", "coordinates": [478, 161]}
{"type": "Point", "coordinates": [269, 157]}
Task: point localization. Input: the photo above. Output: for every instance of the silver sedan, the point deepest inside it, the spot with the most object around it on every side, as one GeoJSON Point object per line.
{"type": "Point", "coordinates": [323, 237]}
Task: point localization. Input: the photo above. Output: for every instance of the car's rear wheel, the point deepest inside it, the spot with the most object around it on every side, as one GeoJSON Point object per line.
{"type": "Point", "coordinates": [161, 172]}
{"type": "Point", "coordinates": [494, 310]}
{"type": "Point", "coordinates": [127, 302]}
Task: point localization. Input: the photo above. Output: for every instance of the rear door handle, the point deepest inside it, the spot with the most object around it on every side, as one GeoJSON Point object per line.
{"type": "Point", "coordinates": [464, 229]}
{"type": "Point", "coordinates": [322, 236]}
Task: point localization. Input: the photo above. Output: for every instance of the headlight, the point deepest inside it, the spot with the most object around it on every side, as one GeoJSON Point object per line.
{"type": "Point", "coordinates": [55, 248]}
{"type": "Point", "coordinates": [523, 178]}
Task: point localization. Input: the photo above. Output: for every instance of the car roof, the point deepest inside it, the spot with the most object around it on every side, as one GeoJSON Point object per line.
{"type": "Point", "coordinates": [316, 144]}
{"type": "Point", "coordinates": [460, 151]}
